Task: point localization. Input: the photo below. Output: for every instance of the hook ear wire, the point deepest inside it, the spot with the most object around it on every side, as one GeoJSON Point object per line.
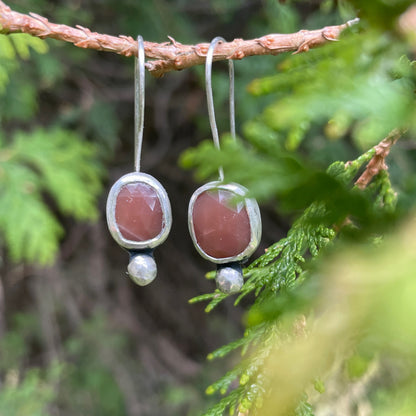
{"type": "Point", "coordinates": [139, 92]}
{"type": "Point", "coordinates": [210, 99]}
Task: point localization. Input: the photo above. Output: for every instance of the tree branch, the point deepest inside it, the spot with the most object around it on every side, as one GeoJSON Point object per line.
{"type": "Point", "coordinates": [377, 162]}
{"type": "Point", "coordinates": [167, 56]}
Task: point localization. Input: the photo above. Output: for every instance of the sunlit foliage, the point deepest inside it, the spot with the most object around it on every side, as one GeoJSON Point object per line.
{"type": "Point", "coordinates": [306, 320]}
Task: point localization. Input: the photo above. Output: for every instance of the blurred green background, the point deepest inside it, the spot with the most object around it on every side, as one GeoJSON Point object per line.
{"type": "Point", "coordinates": [77, 337]}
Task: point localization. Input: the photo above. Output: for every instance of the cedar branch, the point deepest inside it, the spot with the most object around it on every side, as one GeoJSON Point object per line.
{"type": "Point", "coordinates": [167, 56]}
{"type": "Point", "coordinates": [377, 162]}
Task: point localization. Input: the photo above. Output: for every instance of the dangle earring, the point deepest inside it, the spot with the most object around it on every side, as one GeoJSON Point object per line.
{"type": "Point", "coordinates": [225, 226]}
{"type": "Point", "coordinates": [139, 216]}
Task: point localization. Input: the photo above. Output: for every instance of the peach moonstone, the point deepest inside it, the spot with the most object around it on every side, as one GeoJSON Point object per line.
{"type": "Point", "coordinates": [138, 213]}
{"type": "Point", "coordinates": [222, 227]}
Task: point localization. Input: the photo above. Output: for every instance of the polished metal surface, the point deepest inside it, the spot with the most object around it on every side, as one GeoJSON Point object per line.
{"type": "Point", "coordinates": [138, 177]}
{"type": "Point", "coordinates": [210, 98]}
{"type": "Point", "coordinates": [139, 95]}
{"type": "Point", "coordinates": [229, 280]}
{"type": "Point", "coordinates": [142, 269]}
{"type": "Point", "coordinates": [253, 212]}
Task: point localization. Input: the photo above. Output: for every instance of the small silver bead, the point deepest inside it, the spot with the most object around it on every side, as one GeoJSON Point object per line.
{"type": "Point", "coordinates": [229, 280]}
{"type": "Point", "coordinates": [142, 269]}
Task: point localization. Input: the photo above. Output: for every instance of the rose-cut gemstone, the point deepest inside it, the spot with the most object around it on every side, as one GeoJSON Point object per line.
{"type": "Point", "coordinates": [221, 225]}
{"type": "Point", "coordinates": [138, 212]}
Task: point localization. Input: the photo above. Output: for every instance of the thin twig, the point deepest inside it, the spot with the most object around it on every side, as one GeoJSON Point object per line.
{"type": "Point", "coordinates": [377, 162]}
{"type": "Point", "coordinates": [167, 56]}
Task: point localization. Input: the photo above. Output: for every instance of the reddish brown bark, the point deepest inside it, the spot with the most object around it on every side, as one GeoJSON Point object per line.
{"type": "Point", "coordinates": [167, 56]}
{"type": "Point", "coordinates": [377, 162]}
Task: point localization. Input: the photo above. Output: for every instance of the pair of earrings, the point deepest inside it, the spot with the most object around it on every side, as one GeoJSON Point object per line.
{"type": "Point", "coordinates": [225, 226]}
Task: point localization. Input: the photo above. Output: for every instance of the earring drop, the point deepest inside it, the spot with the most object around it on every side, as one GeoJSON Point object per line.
{"type": "Point", "coordinates": [139, 216]}
{"type": "Point", "coordinates": [225, 226]}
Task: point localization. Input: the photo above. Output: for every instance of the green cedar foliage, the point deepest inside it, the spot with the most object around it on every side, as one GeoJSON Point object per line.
{"type": "Point", "coordinates": [361, 87]}
{"type": "Point", "coordinates": [85, 374]}
{"type": "Point", "coordinates": [54, 163]}
{"type": "Point", "coordinates": [29, 396]}
{"type": "Point", "coordinates": [366, 78]}
{"type": "Point", "coordinates": [13, 47]}
{"type": "Point", "coordinates": [24, 392]}
{"type": "Point", "coordinates": [281, 271]}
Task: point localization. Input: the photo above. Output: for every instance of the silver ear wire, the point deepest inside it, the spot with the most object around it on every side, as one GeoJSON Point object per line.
{"type": "Point", "coordinates": [139, 91]}
{"type": "Point", "coordinates": [138, 211]}
{"type": "Point", "coordinates": [210, 99]}
{"type": "Point", "coordinates": [220, 233]}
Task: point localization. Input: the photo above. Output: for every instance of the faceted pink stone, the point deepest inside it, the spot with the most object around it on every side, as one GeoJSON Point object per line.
{"type": "Point", "coordinates": [222, 227]}
{"type": "Point", "coordinates": [138, 212]}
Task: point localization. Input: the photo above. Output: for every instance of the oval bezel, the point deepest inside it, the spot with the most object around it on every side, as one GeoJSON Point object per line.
{"type": "Point", "coordinates": [138, 177]}
{"type": "Point", "coordinates": [253, 213]}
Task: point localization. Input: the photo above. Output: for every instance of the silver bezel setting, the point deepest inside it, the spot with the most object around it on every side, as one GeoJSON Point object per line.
{"type": "Point", "coordinates": [253, 212]}
{"type": "Point", "coordinates": [138, 177]}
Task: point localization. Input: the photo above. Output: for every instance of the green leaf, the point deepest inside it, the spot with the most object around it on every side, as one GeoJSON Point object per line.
{"type": "Point", "coordinates": [57, 162]}
{"type": "Point", "coordinates": [29, 229]}
{"type": "Point", "coordinates": [23, 42]}
{"type": "Point", "coordinates": [67, 167]}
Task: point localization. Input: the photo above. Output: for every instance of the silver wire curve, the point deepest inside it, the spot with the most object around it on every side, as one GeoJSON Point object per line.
{"type": "Point", "coordinates": [139, 90]}
{"type": "Point", "coordinates": [210, 99]}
